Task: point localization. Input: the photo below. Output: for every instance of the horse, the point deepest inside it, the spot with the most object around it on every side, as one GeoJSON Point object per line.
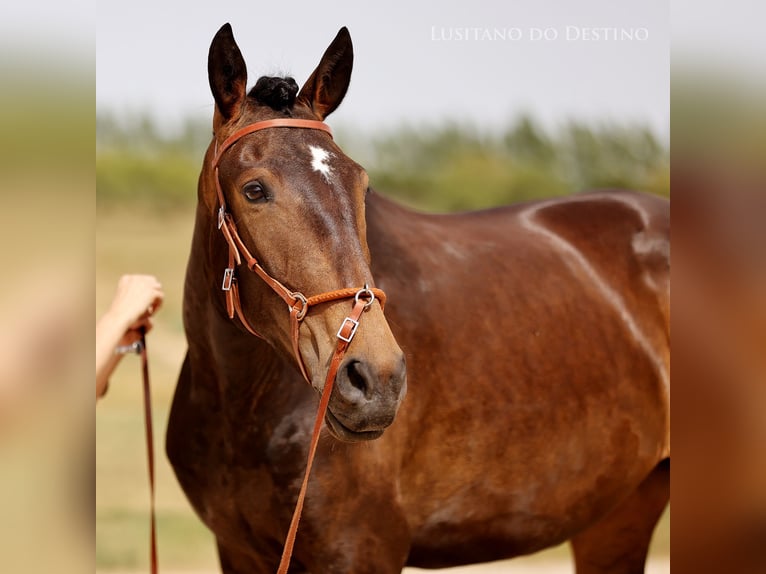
{"type": "Point", "coordinates": [511, 395]}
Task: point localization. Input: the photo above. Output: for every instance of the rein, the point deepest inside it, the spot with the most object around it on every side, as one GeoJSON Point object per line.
{"type": "Point", "coordinates": [139, 347]}
{"type": "Point", "coordinates": [150, 454]}
{"type": "Point", "coordinates": [297, 303]}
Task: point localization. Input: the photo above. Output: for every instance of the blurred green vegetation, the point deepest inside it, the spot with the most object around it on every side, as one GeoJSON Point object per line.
{"type": "Point", "coordinates": [456, 168]}
{"type": "Point", "coordinates": [447, 168]}
{"type": "Point", "coordinates": [137, 163]}
{"type": "Point", "coordinates": [46, 116]}
{"type": "Point", "coordinates": [719, 118]}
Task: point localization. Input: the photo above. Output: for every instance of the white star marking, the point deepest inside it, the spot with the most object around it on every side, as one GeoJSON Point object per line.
{"type": "Point", "coordinates": [319, 161]}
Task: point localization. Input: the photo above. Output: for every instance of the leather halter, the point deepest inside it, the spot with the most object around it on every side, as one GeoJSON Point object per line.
{"type": "Point", "coordinates": [297, 303]}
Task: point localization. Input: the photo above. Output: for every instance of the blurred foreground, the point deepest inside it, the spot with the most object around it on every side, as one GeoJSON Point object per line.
{"type": "Point", "coordinates": [719, 326]}
{"type": "Point", "coordinates": [46, 340]}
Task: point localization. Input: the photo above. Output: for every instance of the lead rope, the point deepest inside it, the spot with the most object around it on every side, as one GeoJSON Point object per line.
{"type": "Point", "coordinates": [297, 303]}
{"type": "Point", "coordinates": [345, 335]}
{"type": "Point", "coordinates": [150, 454]}
{"type": "Point", "coordinates": [139, 348]}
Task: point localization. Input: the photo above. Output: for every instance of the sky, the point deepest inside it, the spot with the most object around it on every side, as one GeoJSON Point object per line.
{"type": "Point", "coordinates": [410, 67]}
{"type": "Point", "coordinates": [479, 63]}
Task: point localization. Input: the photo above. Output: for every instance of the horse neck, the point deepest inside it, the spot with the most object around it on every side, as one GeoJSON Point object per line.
{"type": "Point", "coordinates": [235, 363]}
{"type": "Point", "coordinates": [379, 210]}
{"type": "Point", "coordinates": [390, 226]}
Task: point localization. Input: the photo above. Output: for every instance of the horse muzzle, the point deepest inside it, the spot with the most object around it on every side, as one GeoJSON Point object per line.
{"type": "Point", "coordinates": [366, 396]}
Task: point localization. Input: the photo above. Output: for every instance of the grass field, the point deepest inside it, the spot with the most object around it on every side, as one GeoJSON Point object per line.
{"type": "Point", "coordinates": [140, 241]}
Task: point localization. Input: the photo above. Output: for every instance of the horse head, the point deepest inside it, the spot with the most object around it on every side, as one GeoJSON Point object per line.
{"type": "Point", "coordinates": [296, 204]}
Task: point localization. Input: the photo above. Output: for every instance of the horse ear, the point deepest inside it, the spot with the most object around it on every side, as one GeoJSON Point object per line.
{"type": "Point", "coordinates": [326, 87]}
{"type": "Point", "coordinates": [227, 73]}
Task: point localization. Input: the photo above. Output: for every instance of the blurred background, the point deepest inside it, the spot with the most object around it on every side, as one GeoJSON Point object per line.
{"type": "Point", "coordinates": [450, 108]}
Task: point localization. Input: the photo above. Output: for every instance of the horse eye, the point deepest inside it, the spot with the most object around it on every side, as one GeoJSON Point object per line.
{"type": "Point", "coordinates": [254, 192]}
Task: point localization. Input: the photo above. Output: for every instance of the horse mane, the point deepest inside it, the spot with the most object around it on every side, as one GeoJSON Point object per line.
{"type": "Point", "coordinates": [275, 92]}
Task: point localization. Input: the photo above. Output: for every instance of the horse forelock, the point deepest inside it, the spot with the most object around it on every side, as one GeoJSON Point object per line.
{"type": "Point", "coordinates": [276, 92]}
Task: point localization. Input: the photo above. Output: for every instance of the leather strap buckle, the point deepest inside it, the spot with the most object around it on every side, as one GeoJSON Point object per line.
{"type": "Point", "coordinates": [228, 277]}
{"type": "Point", "coordinates": [298, 296]}
{"type": "Point", "coordinates": [354, 326]}
{"type": "Point", "coordinates": [135, 347]}
{"type": "Point", "coordinates": [366, 293]}
{"type": "Point", "coordinates": [221, 217]}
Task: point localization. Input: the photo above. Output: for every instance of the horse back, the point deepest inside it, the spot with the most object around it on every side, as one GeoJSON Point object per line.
{"type": "Point", "coordinates": [613, 242]}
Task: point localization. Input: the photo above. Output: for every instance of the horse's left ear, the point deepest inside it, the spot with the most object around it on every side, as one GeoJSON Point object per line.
{"type": "Point", "coordinates": [326, 87]}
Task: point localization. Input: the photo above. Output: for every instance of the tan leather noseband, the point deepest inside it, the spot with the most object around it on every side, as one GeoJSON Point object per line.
{"type": "Point", "coordinates": [297, 303]}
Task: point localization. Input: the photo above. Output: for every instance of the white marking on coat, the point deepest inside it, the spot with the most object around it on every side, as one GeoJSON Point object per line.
{"type": "Point", "coordinates": [319, 161]}
{"type": "Point", "coordinates": [612, 296]}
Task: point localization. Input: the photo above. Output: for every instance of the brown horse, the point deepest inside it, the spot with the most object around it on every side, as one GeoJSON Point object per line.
{"type": "Point", "coordinates": [537, 357]}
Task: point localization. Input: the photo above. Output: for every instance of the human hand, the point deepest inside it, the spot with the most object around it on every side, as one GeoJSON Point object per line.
{"type": "Point", "coordinates": [137, 298]}
{"type": "Point", "coordinates": [129, 316]}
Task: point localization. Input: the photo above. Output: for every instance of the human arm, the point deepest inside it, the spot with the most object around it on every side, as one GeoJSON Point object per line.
{"type": "Point", "coordinates": [137, 298]}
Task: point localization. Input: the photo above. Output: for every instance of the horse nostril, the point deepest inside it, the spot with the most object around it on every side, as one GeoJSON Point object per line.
{"type": "Point", "coordinates": [355, 377]}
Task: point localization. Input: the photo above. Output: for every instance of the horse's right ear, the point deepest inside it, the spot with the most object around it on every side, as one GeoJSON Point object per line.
{"type": "Point", "coordinates": [227, 73]}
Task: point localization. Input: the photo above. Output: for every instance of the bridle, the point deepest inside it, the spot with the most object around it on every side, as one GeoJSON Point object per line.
{"type": "Point", "coordinates": [297, 303]}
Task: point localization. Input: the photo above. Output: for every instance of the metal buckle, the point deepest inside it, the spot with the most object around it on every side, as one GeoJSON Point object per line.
{"type": "Point", "coordinates": [228, 277]}
{"type": "Point", "coordinates": [298, 296]}
{"type": "Point", "coordinates": [221, 216]}
{"type": "Point", "coordinates": [354, 327]}
{"type": "Point", "coordinates": [135, 347]}
{"type": "Point", "coordinates": [365, 292]}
